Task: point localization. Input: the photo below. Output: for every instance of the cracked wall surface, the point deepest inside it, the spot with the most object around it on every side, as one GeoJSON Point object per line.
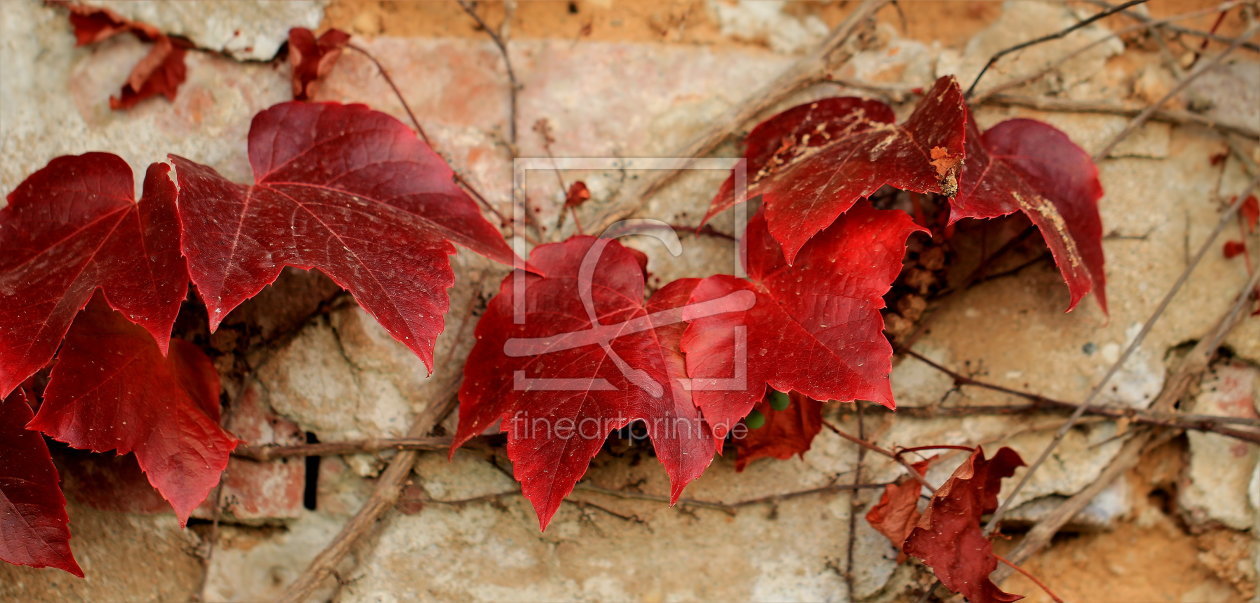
{"type": "Point", "coordinates": [329, 370]}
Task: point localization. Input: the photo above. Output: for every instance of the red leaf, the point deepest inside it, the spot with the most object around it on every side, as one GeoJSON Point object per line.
{"type": "Point", "coordinates": [811, 163]}
{"type": "Point", "coordinates": [1026, 165]}
{"type": "Point", "coordinates": [1234, 249]}
{"type": "Point", "coordinates": [577, 195]}
{"type": "Point", "coordinates": [159, 73]}
{"type": "Point", "coordinates": [1250, 212]}
{"type": "Point", "coordinates": [815, 328]}
{"type": "Point", "coordinates": [112, 389]}
{"type": "Point", "coordinates": [313, 58]}
{"type": "Point", "coordinates": [344, 189]}
{"type": "Point", "coordinates": [949, 538]}
{"type": "Point", "coordinates": [897, 512]}
{"type": "Point", "coordinates": [786, 432]}
{"type": "Point", "coordinates": [611, 360]}
{"type": "Point", "coordinates": [73, 227]}
{"type": "Point", "coordinates": [34, 527]}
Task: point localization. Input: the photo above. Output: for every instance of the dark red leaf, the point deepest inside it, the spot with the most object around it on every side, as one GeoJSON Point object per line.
{"type": "Point", "coordinates": [813, 162]}
{"type": "Point", "coordinates": [344, 189]}
{"type": "Point", "coordinates": [897, 512]}
{"type": "Point", "coordinates": [112, 389]}
{"type": "Point", "coordinates": [949, 537]}
{"type": "Point", "coordinates": [587, 357]}
{"type": "Point", "coordinates": [92, 24]}
{"type": "Point", "coordinates": [786, 432]}
{"type": "Point", "coordinates": [577, 195]}
{"type": "Point", "coordinates": [34, 527]}
{"type": "Point", "coordinates": [815, 328]}
{"type": "Point", "coordinates": [313, 58]}
{"type": "Point", "coordinates": [1026, 165]}
{"type": "Point", "coordinates": [1234, 249]}
{"type": "Point", "coordinates": [70, 228]}
{"type": "Point", "coordinates": [1250, 213]}
{"type": "Point", "coordinates": [159, 73]}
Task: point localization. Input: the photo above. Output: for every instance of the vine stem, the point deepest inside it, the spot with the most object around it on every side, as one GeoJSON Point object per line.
{"type": "Point", "coordinates": [1124, 357]}
{"type": "Point", "coordinates": [501, 43]}
{"type": "Point", "coordinates": [1146, 114]}
{"type": "Point", "coordinates": [882, 452]}
{"type": "Point", "coordinates": [1048, 37]}
{"type": "Point", "coordinates": [1178, 28]}
{"type": "Point", "coordinates": [415, 123]}
{"type": "Point", "coordinates": [829, 54]}
{"type": "Point", "coordinates": [1026, 574]}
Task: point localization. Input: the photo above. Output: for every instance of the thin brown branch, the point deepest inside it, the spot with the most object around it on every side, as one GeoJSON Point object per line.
{"type": "Point", "coordinates": [501, 43]}
{"type": "Point", "coordinates": [415, 123]}
{"type": "Point", "coordinates": [1047, 38]}
{"type": "Point", "coordinates": [851, 539]}
{"type": "Point", "coordinates": [271, 452]}
{"type": "Point", "coordinates": [1173, 116]}
{"type": "Point", "coordinates": [1197, 360]}
{"type": "Point", "coordinates": [882, 452]}
{"type": "Point", "coordinates": [1196, 422]}
{"type": "Point", "coordinates": [384, 497]}
{"type": "Point", "coordinates": [1185, 81]}
{"type": "Point", "coordinates": [1178, 28]}
{"type": "Point", "coordinates": [1032, 77]}
{"type": "Point", "coordinates": [1032, 578]}
{"type": "Point", "coordinates": [729, 507]}
{"type": "Point", "coordinates": [835, 50]}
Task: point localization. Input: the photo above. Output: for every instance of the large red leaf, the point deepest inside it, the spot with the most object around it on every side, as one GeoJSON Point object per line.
{"type": "Point", "coordinates": [1029, 166]}
{"type": "Point", "coordinates": [112, 389]}
{"type": "Point", "coordinates": [312, 58]}
{"type": "Point", "coordinates": [344, 189]}
{"type": "Point", "coordinates": [34, 527]}
{"type": "Point", "coordinates": [588, 357]}
{"type": "Point", "coordinates": [815, 328]}
{"type": "Point", "coordinates": [811, 163]}
{"type": "Point", "coordinates": [70, 228]}
{"type": "Point", "coordinates": [897, 512]}
{"type": "Point", "coordinates": [949, 537]}
{"type": "Point", "coordinates": [785, 432]}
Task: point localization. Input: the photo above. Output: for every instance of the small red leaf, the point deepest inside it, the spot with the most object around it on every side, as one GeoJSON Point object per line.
{"type": "Point", "coordinates": [949, 538]}
{"type": "Point", "coordinates": [1234, 249]}
{"type": "Point", "coordinates": [1250, 213]}
{"type": "Point", "coordinates": [815, 327]}
{"type": "Point", "coordinates": [34, 527]}
{"type": "Point", "coordinates": [70, 228]}
{"type": "Point", "coordinates": [112, 389]}
{"type": "Point", "coordinates": [786, 432]}
{"type": "Point", "coordinates": [587, 357]}
{"type": "Point", "coordinates": [577, 195]}
{"type": "Point", "coordinates": [1026, 165]}
{"type": "Point", "coordinates": [811, 163]}
{"type": "Point", "coordinates": [344, 189]}
{"type": "Point", "coordinates": [897, 512]}
{"type": "Point", "coordinates": [313, 58]}
{"type": "Point", "coordinates": [159, 73]}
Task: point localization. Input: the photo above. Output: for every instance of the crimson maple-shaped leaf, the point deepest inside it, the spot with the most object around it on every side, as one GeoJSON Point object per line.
{"type": "Point", "coordinates": [815, 327]}
{"type": "Point", "coordinates": [313, 58]}
{"type": "Point", "coordinates": [112, 389]}
{"type": "Point", "coordinates": [897, 512]}
{"type": "Point", "coordinates": [344, 189]}
{"type": "Point", "coordinates": [785, 432]}
{"type": "Point", "coordinates": [34, 527]}
{"type": "Point", "coordinates": [811, 163]}
{"type": "Point", "coordinates": [70, 228]}
{"type": "Point", "coordinates": [949, 538]}
{"type": "Point", "coordinates": [587, 356]}
{"type": "Point", "coordinates": [1029, 166]}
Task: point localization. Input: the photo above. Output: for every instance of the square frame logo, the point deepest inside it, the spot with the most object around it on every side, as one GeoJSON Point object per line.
{"type": "Point", "coordinates": [603, 334]}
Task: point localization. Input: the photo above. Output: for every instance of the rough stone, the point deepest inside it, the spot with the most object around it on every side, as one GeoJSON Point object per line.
{"type": "Point", "coordinates": [1221, 469]}
{"type": "Point", "coordinates": [250, 29]}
